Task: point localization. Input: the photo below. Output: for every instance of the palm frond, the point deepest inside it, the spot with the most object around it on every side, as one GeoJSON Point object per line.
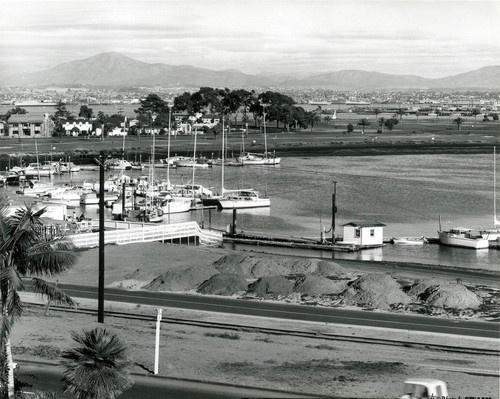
{"type": "Point", "coordinates": [49, 290]}
{"type": "Point", "coordinates": [49, 257]}
{"type": "Point", "coordinates": [14, 305]}
{"type": "Point", "coordinates": [9, 277]}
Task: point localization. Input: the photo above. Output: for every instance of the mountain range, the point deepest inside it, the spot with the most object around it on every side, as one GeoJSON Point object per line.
{"type": "Point", "coordinates": [118, 70]}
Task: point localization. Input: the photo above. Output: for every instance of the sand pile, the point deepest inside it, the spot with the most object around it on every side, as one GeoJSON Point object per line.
{"type": "Point", "coordinates": [376, 291]}
{"type": "Point", "coordinates": [254, 267]}
{"type": "Point", "coordinates": [223, 284]}
{"type": "Point", "coordinates": [181, 280]}
{"type": "Point", "coordinates": [272, 287]}
{"type": "Point", "coordinates": [329, 268]}
{"type": "Point", "coordinates": [417, 289]}
{"type": "Point", "coordinates": [135, 280]}
{"type": "Point", "coordinates": [318, 285]}
{"type": "Point", "coordinates": [441, 293]}
{"type": "Point", "coordinates": [455, 296]}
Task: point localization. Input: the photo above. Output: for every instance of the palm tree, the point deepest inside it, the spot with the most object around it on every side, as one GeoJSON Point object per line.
{"type": "Point", "coordinates": [381, 123]}
{"type": "Point", "coordinates": [312, 118]}
{"type": "Point", "coordinates": [98, 367]}
{"type": "Point", "coordinates": [475, 112]}
{"type": "Point", "coordinates": [26, 252]}
{"type": "Point", "coordinates": [363, 122]}
{"type": "Point", "coordinates": [377, 111]}
{"type": "Point", "coordinates": [401, 112]}
{"type": "Point", "coordinates": [458, 121]}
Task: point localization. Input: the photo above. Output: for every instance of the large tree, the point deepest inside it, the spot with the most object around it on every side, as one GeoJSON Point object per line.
{"type": "Point", "coordinates": [86, 112]}
{"type": "Point", "coordinates": [458, 121]}
{"type": "Point", "coordinates": [97, 367]}
{"type": "Point", "coordinates": [26, 251]}
{"type": "Point", "coordinates": [363, 122]}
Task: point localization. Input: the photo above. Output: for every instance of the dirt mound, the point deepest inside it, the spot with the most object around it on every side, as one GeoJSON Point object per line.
{"type": "Point", "coordinates": [455, 296]}
{"type": "Point", "coordinates": [223, 284]}
{"type": "Point", "coordinates": [272, 287]}
{"type": "Point", "coordinates": [181, 280]}
{"type": "Point", "coordinates": [328, 268]}
{"type": "Point", "coordinates": [135, 280]}
{"type": "Point", "coordinates": [376, 291]}
{"type": "Point", "coordinates": [253, 267]}
{"type": "Point", "coordinates": [318, 285]}
{"type": "Point", "coordinates": [419, 287]}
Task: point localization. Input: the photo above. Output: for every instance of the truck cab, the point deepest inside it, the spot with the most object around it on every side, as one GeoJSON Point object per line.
{"type": "Point", "coordinates": [424, 388]}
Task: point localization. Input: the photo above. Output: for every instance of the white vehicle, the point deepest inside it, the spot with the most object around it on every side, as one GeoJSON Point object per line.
{"type": "Point", "coordinates": [423, 388]}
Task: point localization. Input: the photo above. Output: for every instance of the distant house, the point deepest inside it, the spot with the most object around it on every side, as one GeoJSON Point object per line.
{"type": "Point", "coordinates": [183, 127]}
{"type": "Point", "coordinates": [3, 127]}
{"type": "Point", "coordinates": [30, 126]}
{"type": "Point", "coordinates": [364, 234]}
{"type": "Point", "coordinates": [78, 127]}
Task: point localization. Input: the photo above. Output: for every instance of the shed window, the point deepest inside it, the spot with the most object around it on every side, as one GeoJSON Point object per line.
{"type": "Point", "coordinates": [357, 233]}
{"type": "Point", "coordinates": [372, 232]}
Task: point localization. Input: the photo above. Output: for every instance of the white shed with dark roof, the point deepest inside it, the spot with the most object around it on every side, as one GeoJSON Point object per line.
{"type": "Point", "coordinates": [364, 234]}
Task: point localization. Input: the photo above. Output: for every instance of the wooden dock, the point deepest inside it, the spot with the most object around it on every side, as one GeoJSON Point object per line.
{"type": "Point", "coordinates": [303, 243]}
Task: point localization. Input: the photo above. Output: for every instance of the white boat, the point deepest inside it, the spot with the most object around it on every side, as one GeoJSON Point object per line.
{"type": "Point", "coordinates": [493, 234]}
{"type": "Point", "coordinates": [171, 205]}
{"type": "Point", "coordinates": [37, 170]}
{"type": "Point", "coordinates": [463, 237]}
{"type": "Point", "coordinates": [258, 159]}
{"type": "Point", "coordinates": [409, 240]}
{"type": "Point", "coordinates": [191, 163]}
{"type": "Point", "coordinates": [34, 188]}
{"type": "Point", "coordinates": [118, 164]}
{"type": "Point", "coordinates": [89, 198]}
{"type": "Point", "coordinates": [68, 167]}
{"type": "Point", "coordinates": [237, 199]}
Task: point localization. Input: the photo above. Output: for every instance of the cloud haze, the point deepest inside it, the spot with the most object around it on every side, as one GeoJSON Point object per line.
{"type": "Point", "coordinates": [426, 38]}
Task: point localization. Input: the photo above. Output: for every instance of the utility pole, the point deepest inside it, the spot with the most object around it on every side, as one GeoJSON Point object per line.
{"type": "Point", "coordinates": [100, 299]}
{"type": "Point", "coordinates": [334, 210]}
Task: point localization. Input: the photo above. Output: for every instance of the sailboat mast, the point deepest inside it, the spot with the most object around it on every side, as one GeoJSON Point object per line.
{"type": "Point", "coordinates": [223, 151]}
{"type": "Point", "coordinates": [495, 221]}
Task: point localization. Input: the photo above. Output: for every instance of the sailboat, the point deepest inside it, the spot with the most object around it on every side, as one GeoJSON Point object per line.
{"type": "Point", "coordinates": [494, 233]}
{"type": "Point", "coordinates": [250, 158]}
{"type": "Point", "coordinates": [236, 199]}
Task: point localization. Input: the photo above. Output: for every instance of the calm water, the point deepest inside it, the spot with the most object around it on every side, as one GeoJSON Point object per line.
{"type": "Point", "coordinates": [407, 193]}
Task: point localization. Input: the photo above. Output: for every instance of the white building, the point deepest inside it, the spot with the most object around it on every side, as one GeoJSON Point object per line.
{"type": "Point", "coordinates": [78, 127]}
{"type": "Point", "coordinates": [364, 234]}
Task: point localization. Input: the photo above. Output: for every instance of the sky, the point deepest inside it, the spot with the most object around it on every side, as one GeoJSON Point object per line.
{"type": "Point", "coordinates": [432, 39]}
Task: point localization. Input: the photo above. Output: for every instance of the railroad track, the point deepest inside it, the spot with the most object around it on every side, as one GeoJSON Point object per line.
{"type": "Point", "coordinates": [278, 331]}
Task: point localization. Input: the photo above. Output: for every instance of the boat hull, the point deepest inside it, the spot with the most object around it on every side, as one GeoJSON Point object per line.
{"type": "Point", "coordinates": [454, 240]}
{"type": "Point", "coordinates": [244, 204]}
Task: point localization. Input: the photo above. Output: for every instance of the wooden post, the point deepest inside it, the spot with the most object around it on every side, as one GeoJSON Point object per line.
{"type": "Point", "coordinates": [334, 210]}
{"type": "Point", "coordinates": [233, 227]}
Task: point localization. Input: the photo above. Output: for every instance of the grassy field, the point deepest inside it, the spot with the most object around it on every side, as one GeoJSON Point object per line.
{"type": "Point", "coordinates": [410, 135]}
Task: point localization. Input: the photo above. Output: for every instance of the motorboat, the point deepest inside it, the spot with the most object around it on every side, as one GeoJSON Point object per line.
{"type": "Point", "coordinates": [237, 199]}
{"type": "Point", "coordinates": [171, 205]}
{"type": "Point", "coordinates": [118, 164]}
{"type": "Point", "coordinates": [258, 159]}
{"type": "Point", "coordinates": [462, 237]}
{"type": "Point", "coordinates": [68, 167]}
{"type": "Point", "coordinates": [37, 170]}
{"type": "Point", "coordinates": [191, 163]}
{"type": "Point", "coordinates": [34, 188]}
{"type": "Point", "coordinates": [409, 240]}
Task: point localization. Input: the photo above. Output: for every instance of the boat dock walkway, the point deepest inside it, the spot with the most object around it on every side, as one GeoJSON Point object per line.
{"type": "Point", "coordinates": [123, 232]}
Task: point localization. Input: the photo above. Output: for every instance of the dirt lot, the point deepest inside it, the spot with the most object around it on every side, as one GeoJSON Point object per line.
{"type": "Point", "coordinates": [300, 364]}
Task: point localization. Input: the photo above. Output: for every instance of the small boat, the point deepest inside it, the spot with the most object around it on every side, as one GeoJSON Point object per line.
{"type": "Point", "coordinates": [171, 205]}
{"type": "Point", "coordinates": [463, 237]}
{"type": "Point", "coordinates": [237, 199]}
{"type": "Point", "coordinates": [192, 163]}
{"type": "Point", "coordinates": [68, 167]}
{"type": "Point", "coordinates": [258, 159]}
{"type": "Point", "coordinates": [409, 240]}
{"type": "Point", "coordinates": [118, 164]}
{"type": "Point", "coordinates": [34, 188]}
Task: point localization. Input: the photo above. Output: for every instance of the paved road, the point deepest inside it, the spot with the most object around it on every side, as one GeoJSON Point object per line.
{"type": "Point", "coordinates": [291, 312]}
{"type": "Point", "coordinates": [47, 377]}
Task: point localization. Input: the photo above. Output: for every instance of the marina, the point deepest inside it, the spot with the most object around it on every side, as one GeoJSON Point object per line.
{"type": "Point", "coordinates": [381, 188]}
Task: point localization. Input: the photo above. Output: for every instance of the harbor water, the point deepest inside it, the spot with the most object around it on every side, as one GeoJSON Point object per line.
{"type": "Point", "coordinates": [407, 193]}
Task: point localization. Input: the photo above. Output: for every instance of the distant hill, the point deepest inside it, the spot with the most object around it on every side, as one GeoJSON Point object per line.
{"type": "Point", "coordinates": [114, 69]}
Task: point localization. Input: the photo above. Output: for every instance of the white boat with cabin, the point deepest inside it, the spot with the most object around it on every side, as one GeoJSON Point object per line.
{"type": "Point", "coordinates": [238, 199]}
{"type": "Point", "coordinates": [463, 237]}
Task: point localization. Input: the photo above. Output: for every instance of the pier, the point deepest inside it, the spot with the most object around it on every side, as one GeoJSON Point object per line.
{"type": "Point", "coordinates": [122, 233]}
